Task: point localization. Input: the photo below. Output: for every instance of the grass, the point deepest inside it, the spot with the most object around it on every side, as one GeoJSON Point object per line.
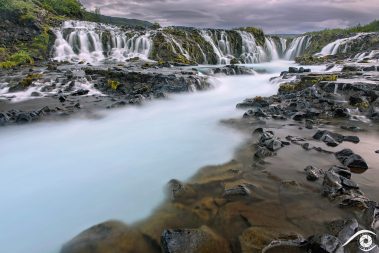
{"type": "Point", "coordinates": [19, 58]}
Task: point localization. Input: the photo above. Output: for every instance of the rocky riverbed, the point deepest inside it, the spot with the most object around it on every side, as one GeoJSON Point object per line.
{"type": "Point", "coordinates": [304, 181]}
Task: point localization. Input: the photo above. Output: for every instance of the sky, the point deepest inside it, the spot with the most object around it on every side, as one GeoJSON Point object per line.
{"type": "Point", "coordinates": [273, 16]}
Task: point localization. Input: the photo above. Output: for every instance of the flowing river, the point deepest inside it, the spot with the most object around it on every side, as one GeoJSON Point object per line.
{"type": "Point", "coordinates": [59, 178]}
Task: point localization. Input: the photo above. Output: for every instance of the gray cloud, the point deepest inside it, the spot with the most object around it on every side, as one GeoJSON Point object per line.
{"type": "Point", "coordinates": [274, 16]}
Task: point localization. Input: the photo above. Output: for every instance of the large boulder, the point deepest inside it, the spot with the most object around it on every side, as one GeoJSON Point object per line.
{"type": "Point", "coordinates": [351, 160]}
{"type": "Point", "coordinates": [110, 237]}
{"type": "Point", "coordinates": [201, 240]}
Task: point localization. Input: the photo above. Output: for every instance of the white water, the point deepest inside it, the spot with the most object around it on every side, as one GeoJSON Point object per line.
{"type": "Point", "coordinates": [221, 47]}
{"type": "Point", "coordinates": [83, 41]}
{"type": "Point", "coordinates": [60, 178]}
{"type": "Point", "coordinates": [334, 47]}
{"type": "Point", "coordinates": [251, 52]}
{"type": "Point", "coordinates": [297, 47]}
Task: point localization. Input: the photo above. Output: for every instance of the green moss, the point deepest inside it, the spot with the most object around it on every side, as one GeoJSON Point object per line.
{"type": "Point", "coordinates": [287, 87]}
{"type": "Point", "coordinates": [257, 33]}
{"type": "Point", "coordinates": [29, 79]}
{"type": "Point", "coordinates": [19, 58]}
{"type": "Point", "coordinates": [113, 84]}
{"type": "Point", "coordinates": [234, 61]}
{"type": "Point", "coordinates": [363, 105]}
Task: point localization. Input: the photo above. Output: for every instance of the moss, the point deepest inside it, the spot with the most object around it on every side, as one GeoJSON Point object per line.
{"type": "Point", "coordinates": [113, 84]}
{"type": "Point", "coordinates": [363, 105]}
{"type": "Point", "coordinates": [29, 79]}
{"type": "Point", "coordinates": [234, 61]}
{"type": "Point", "coordinates": [257, 32]}
{"type": "Point", "coordinates": [19, 58]}
{"type": "Point", "coordinates": [287, 87]}
{"type": "Point", "coordinates": [3, 54]}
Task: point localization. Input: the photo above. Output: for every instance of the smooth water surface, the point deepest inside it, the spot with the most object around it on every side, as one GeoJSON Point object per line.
{"type": "Point", "coordinates": [59, 178]}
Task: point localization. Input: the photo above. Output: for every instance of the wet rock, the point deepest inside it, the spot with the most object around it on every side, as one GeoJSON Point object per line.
{"type": "Point", "coordinates": [62, 98]}
{"type": "Point", "coordinates": [35, 94]}
{"type": "Point", "coordinates": [328, 140]}
{"type": "Point", "coordinates": [309, 124]}
{"type": "Point", "coordinates": [273, 144]}
{"type": "Point", "coordinates": [371, 215]}
{"type": "Point", "coordinates": [296, 244]}
{"type": "Point", "coordinates": [313, 173]}
{"type": "Point", "coordinates": [341, 113]}
{"type": "Point", "coordinates": [319, 135]}
{"type": "Point", "coordinates": [110, 236]}
{"type": "Point", "coordinates": [23, 118]}
{"type": "Point", "coordinates": [178, 190]}
{"type": "Point", "coordinates": [3, 119]}
{"type": "Point", "coordinates": [343, 229]}
{"type": "Point", "coordinates": [262, 153]}
{"type": "Point", "coordinates": [258, 102]}
{"type": "Point", "coordinates": [351, 160]}
{"type": "Point", "coordinates": [80, 92]}
{"type": "Point", "coordinates": [352, 128]}
{"type": "Point", "coordinates": [202, 240]}
{"type": "Point", "coordinates": [325, 244]}
{"type": "Point", "coordinates": [238, 192]}
{"type": "Point", "coordinates": [353, 139]}
{"type": "Point", "coordinates": [332, 184]}
{"type": "Point", "coordinates": [342, 171]}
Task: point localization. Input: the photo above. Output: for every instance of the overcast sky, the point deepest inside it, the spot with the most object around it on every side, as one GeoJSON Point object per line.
{"type": "Point", "coordinates": [274, 16]}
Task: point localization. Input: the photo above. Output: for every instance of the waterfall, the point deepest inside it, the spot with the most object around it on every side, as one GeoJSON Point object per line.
{"type": "Point", "coordinates": [334, 47]}
{"type": "Point", "coordinates": [94, 42]}
{"type": "Point", "coordinates": [222, 49]}
{"type": "Point", "coordinates": [297, 47]}
{"type": "Point", "coordinates": [271, 48]}
{"type": "Point", "coordinates": [251, 52]}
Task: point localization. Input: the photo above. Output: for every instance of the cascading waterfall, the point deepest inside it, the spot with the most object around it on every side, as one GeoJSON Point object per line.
{"type": "Point", "coordinates": [222, 47]}
{"type": "Point", "coordinates": [272, 48]}
{"type": "Point", "coordinates": [251, 52]}
{"type": "Point", "coordinates": [81, 41]}
{"type": "Point", "coordinates": [297, 47]}
{"type": "Point", "coordinates": [334, 47]}
{"type": "Point", "coordinates": [92, 42]}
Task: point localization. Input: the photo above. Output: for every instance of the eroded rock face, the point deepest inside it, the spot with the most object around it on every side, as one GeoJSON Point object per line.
{"type": "Point", "coordinates": [201, 240]}
{"type": "Point", "coordinates": [110, 237]}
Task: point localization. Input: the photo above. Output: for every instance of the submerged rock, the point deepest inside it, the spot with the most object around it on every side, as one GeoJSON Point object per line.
{"type": "Point", "coordinates": [201, 240]}
{"type": "Point", "coordinates": [325, 244]}
{"type": "Point", "coordinates": [111, 236]}
{"type": "Point", "coordinates": [240, 191]}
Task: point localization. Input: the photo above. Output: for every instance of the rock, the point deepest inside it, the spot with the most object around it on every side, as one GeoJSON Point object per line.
{"type": "Point", "coordinates": [313, 173]}
{"type": "Point", "coordinates": [351, 160]}
{"type": "Point", "coordinates": [309, 124]}
{"type": "Point", "coordinates": [273, 144]}
{"type": "Point", "coordinates": [111, 236]}
{"type": "Point", "coordinates": [353, 139]}
{"type": "Point", "coordinates": [240, 191]}
{"type": "Point", "coordinates": [80, 92]}
{"type": "Point", "coordinates": [352, 128]}
{"type": "Point", "coordinates": [35, 94]}
{"type": "Point", "coordinates": [3, 119]}
{"type": "Point", "coordinates": [178, 190]}
{"type": "Point", "coordinates": [62, 98]}
{"type": "Point", "coordinates": [371, 215]}
{"type": "Point", "coordinates": [342, 171]}
{"type": "Point", "coordinates": [262, 152]}
{"type": "Point", "coordinates": [341, 113]}
{"type": "Point", "coordinates": [296, 244]}
{"type": "Point", "coordinates": [328, 140]}
{"type": "Point", "coordinates": [202, 240]}
{"type": "Point", "coordinates": [319, 134]}
{"type": "Point", "coordinates": [331, 184]}
{"type": "Point", "coordinates": [23, 118]}
{"type": "Point", "coordinates": [293, 70]}
{"type": "Point", "coordinates": [343, 229]}
{"type": "Point", "coordinates": [377, 151]}
{"type": "Point", "coordinates": [325, 244]}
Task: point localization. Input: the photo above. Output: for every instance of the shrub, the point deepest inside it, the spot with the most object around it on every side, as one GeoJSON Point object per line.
{"type": "Point", "coordinates": [113, 84]}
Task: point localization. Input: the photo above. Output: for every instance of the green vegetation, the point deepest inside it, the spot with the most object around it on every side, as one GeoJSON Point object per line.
{"type": "Point", "coordinates": [306, 81]}
{"type": "Point", "coordinates": [322, 38]}
{"type": "Point", "coordinates": [19, 58]}
{"type": "Point", "coordinates": [113, 84]}
{"type": "Point", "coordinates": [29, 79]}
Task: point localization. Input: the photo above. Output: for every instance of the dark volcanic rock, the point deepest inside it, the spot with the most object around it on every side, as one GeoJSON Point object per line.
{"type": "Point", "coordinates": [348, 158]}
{"type": "Point", "coordinates": [313, 173]}
{"type": "Point", "coordinates": [325, 244]}
{"type": "Point", "coordinates": [80, 92]}
{"type": "Point", "coordinates": [202, 240]}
